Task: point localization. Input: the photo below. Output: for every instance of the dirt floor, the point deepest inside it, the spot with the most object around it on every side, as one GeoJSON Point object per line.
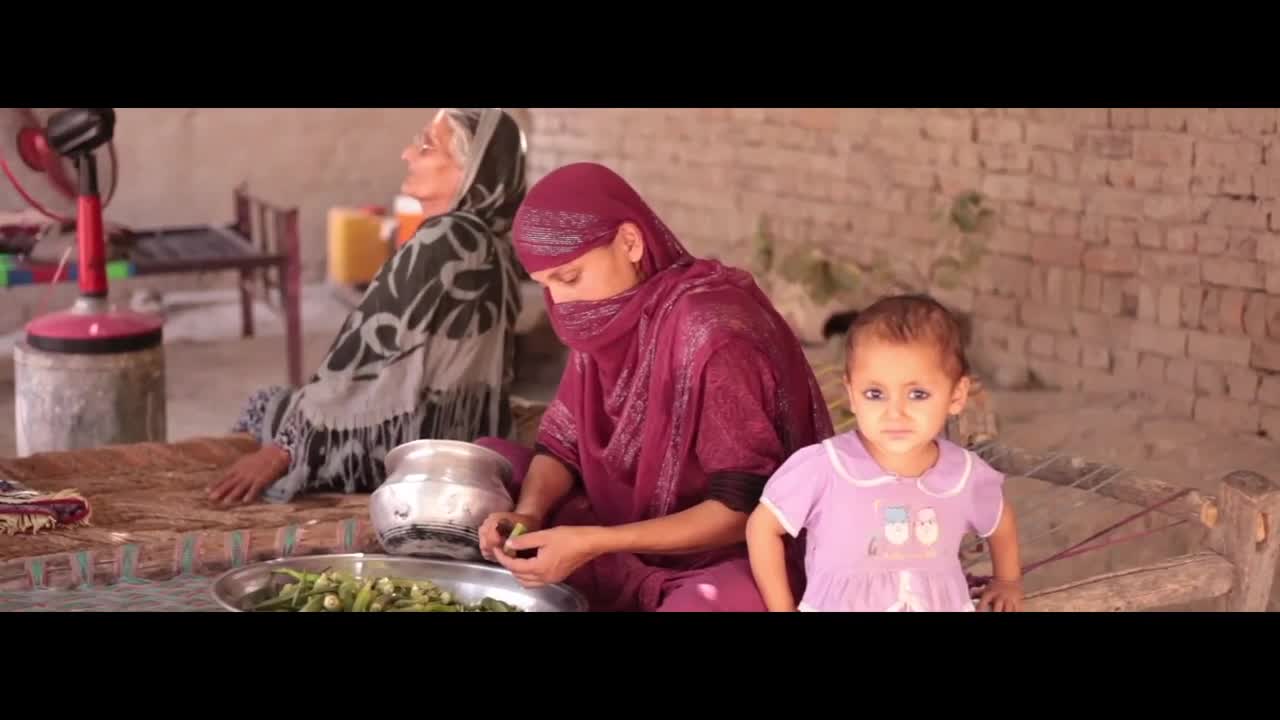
{"type": "Point", "coordinates": [211, 370]}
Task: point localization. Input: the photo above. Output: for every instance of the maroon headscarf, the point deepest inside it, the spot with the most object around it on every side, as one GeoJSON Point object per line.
{"type": "Point", "coordinates": [689, 374]}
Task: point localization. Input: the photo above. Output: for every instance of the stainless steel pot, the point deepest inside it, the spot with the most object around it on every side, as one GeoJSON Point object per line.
{"type": "Point", "coordinates": [436, 495]}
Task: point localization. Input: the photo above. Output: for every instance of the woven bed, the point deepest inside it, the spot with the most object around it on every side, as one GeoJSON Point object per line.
{"type": "Point", "coordinates": [155, 541]}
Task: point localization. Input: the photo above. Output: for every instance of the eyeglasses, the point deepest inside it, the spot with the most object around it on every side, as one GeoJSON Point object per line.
{"type": "Point", "coordinates": [421, 142]}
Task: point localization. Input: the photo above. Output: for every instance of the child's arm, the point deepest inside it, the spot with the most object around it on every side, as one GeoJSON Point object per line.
{"type": "Point", "coordinates": [768, 559]}
{"type": "Point", "coordinates": [1004, 593]}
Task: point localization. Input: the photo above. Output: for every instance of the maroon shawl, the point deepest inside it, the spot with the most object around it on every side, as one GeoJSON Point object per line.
{"type": "Point", "coordinates": [689, 376]}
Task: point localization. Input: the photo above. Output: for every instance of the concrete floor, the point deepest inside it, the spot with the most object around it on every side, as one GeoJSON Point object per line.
{"type": "Point", "coordinates": [211, 371]}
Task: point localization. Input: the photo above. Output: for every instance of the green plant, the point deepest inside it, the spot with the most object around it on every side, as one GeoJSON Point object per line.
{"type": "Point", "coordinates": [966, 222]}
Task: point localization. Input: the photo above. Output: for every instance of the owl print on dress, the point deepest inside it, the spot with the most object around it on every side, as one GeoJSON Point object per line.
{"type": "Point", "coordinates": [897, 524]}
{"type": "Point", "coordinates": [927, 527]}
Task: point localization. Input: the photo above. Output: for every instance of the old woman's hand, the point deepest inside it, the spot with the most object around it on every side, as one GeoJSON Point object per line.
{"type": "Point", "coordinates": [561, 551]}
{"type": "Point", "coordinates": [250, 475]}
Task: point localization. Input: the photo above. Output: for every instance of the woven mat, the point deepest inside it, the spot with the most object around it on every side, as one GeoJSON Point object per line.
{"type": "Point", "coordinates": [185, 593]}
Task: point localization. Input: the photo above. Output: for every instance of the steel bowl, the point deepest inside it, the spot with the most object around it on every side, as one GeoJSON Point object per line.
{"type": "Point", "coordinates": [239, 589]}
{"type": "Point", "coordinates": [436, 495]}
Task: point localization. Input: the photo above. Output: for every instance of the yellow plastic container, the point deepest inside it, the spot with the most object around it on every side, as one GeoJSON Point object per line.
{"type": "Point", "coordinates": [356, 247]}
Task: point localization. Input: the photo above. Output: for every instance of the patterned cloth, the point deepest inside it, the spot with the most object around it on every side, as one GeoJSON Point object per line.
{"type": "Point", "coordinates": [428, 353]}
{"type": "Point", "coordinates": [23, 510]}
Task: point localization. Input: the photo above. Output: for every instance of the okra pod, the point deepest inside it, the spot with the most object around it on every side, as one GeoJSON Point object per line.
{"type": "Point", "coordinates": [333, 603]}
{"type": "Point", "coordinates": [363, 598]}
{"type": "Point", "coordinates": [315, 604]}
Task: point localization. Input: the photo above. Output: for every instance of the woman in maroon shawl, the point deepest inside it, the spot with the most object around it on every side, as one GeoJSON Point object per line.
{"type": "Point", "coordinates": [684, 391]}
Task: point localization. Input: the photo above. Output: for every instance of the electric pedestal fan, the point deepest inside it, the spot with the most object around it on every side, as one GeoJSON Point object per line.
{"type": "Point", "coordinates": [93, 374]}
{"type": "Point", "coordinates": [56, 166]}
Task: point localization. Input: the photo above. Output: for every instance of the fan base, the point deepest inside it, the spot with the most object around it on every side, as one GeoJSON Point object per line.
{"type": "Point", "coordinates": [92, 328]}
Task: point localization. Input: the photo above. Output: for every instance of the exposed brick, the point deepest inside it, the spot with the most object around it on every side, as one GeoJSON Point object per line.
{"type": "Point", "coordinates": [1174, 119]}
{"type": "Point", "coordinates": [1058, 196]}
{"type": "Point", "coordinates": [1268, 249]}
{"type": "Point", "coordinates": [1096, 356]}
{"type": "Point", "coordinates": [1222, 349]}
{"type": "Point", "coordinates": [1173, 402]}
{"type": "Point", "coordinates": [1051, 137]}
{"type": "Point", "coordinates": [1192, 300]}
{"type": "Point", "coordinates": [1266, 355]}
{"type": "Point", "coordinates": [1231, 303]}
{"type": "Point", "coordinates": [1210, 122]}
{"type": "Point", "coordinates": [1004, 276]}
{"type": "Point", "coordinates": [1150, 235]}
{"type": "Point", "coordinates": [996, 308]}
{"type": "Point", "coordinates": [1093, 170]}
{"type": "Point", "coordinates": [1010, 242]}
{"type": "Point", "coordinates": [1163, 148]}
{"type": "Point", "coordinates": [1181, 373]}
{"type": "Point", "coordinates": [916, 176]}
{"type": "Point", "coordinates": [1211, 241]}
{"type": "Point", "coordinates": [1227, 212]}
{"type": "Point", "coordinates": [1233, 153]}
{"type": "Point", "coordinates": [1255, 315]}
{"type": "Point", "coordinates": [1101, 381]}
{"type": "Point", "coordinates": [1163, 341]}
{"type": "Point", "coordinates": [1066, 224]}
{"type": "Point", "coordinates": [1055, 374]}
{"type": "Point", "coordinates": [1005, 158]}
{"type": "Point", "coordinates": [1242, 244]}
{"type": "Point", "coordinates": [1151, 366]}
{"type": "Point", "coordinates": [1236, 182]}
{"type": "Point", "coordinates": [1176, 180]}
{"type": "Point", "coordinates": [1232, 272]}
{"type": "Point", "coordinates": [1269, 424]}
{"type": "Point", "coordinates": [1251, 122]}
{"type": "Point", "coordinates": [940, 127]}
{"type": "Point", "coordinates": [999, 130]}
{"type": "Point", "coordinates": [1110, 145]}
{"type": "Point", "coordinates": [1206, 181]}
{"type": "Point", "coordinates": [1148, 178]}
{"type": "Point", "coordinates": [1210, 379]}
{"type": "Point", "coordinates": [1040, 221]}
{"type": "Point", "coordinates": [1122, 174]}
{"type": "Point", "coordinates": [1170, 268]}
{"type": "Point", "coordinates": [1067, 350]}
{"type": "Point", "coordinates": [1093, 229]}
{"type": "Point", "coordinates": [1273, 280]}
{"type": "Point", "coordinates": [967, 156]}
{"type": "Point", "coordinates": [1147, 303]}
{"type": "Point", "coordinates": [1169, 305]}
{"type": "Point", "coordinates": [1229, 414]}
{"type": "Point", "coordinates": [1125, 363]}
{"type": "Point", "coordinates": [825, 119]}
{"type": "Point", "coordinates": [1007, 187]}
{"type": "Point", "coordinates": [1181, 240]}
{"type": "Point", "coordinates": [1041, 344]}
{"type": "Point", "coordinates": [1269, 390]}
{"type": "Point", "coordinates": [1126, 118]}
{"type": "Point", "coordinates": [1211, 310]}
{"type": "Point", "coordinates": [1121, 232]}
{"type": "Point", "coordinates": [1045, 317]}
{"type": "Point", "coordinates": [1116, 203]}
{"type": "Point", "coordinates": [1074, 117]}
{"type": "Point", "coordinates": [1119, 296]}
{"type": "Point", "coordinates": [1112, 260]}
{"type": "Point", "coordinates": [1242, 384]}
{"type": "Point", "coordinates": [1091, 292]}
{"type": "Point", "coordinates": [1057, 251]}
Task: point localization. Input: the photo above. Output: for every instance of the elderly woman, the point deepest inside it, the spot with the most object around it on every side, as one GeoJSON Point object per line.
{"type": "Point", "coordinates": [684, 391]}
{"type": "Point", "coordinates": [428, 351]}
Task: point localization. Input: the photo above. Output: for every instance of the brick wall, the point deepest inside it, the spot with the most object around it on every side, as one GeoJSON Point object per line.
{"type": "Point", "coordinates": [1134, 248]}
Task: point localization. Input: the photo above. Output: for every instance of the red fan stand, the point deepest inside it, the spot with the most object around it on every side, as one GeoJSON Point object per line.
{"type": "Point", "coordinates": [90, 326]}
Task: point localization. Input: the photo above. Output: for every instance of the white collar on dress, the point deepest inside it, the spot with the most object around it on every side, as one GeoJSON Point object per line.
{"type": "Point", "coordinates": [866, 472]}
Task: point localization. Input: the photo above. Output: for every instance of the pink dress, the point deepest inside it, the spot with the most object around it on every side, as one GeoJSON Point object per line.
{"type": "Point", "coordinates": [877, 542]}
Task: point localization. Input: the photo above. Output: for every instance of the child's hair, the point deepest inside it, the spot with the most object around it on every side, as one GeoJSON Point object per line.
{"type": "Point", "coordinates": [907, 319]}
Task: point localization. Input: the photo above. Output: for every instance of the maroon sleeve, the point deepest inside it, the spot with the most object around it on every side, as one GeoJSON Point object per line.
{"type": "Point", "coordinates": [738, 445]}
{"type": "Point", "coordinates": [558, 431]}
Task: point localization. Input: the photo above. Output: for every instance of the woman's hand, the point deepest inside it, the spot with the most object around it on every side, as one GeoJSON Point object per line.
{"type": "Point", "coordinates": [495, 529]}
{"type": "Point", "coordinates": [250, 475]}
{"type": "Point", "coordinates": [561, 551]}
{"type": "Point", "coordinates": [1001, 596]}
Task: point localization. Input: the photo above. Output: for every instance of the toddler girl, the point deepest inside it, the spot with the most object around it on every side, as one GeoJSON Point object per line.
{"type": "Point", "coordinates": [885, 506]}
